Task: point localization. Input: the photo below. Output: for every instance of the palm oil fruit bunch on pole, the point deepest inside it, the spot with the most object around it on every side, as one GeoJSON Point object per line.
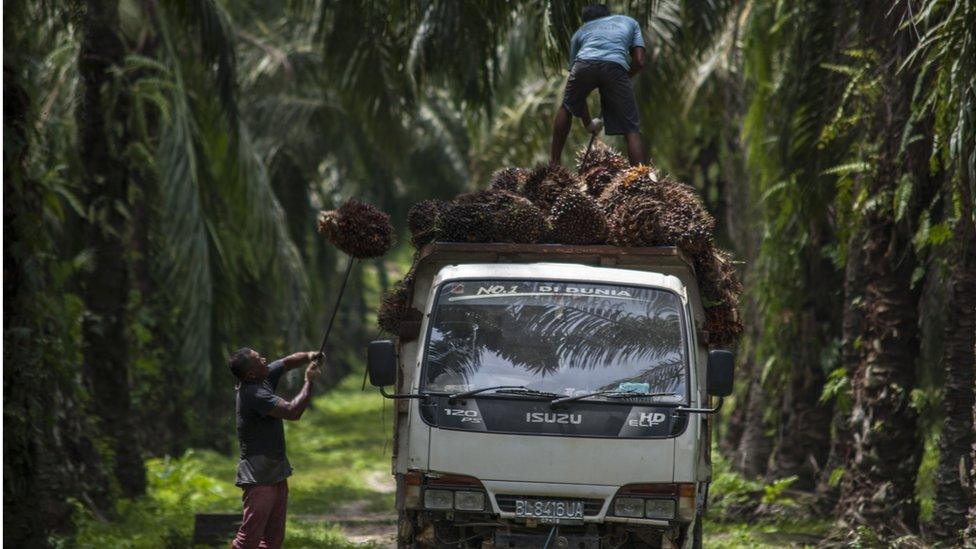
{"type": "Point", "coordinates": [359, 229]}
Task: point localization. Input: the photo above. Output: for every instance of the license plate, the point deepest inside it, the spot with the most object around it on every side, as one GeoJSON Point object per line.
{"type": "Point", "coordinates": [549, 508]}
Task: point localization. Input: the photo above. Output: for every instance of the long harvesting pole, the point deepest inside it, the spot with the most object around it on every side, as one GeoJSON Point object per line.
{"type": "Point", "coordinates": [335, 308]}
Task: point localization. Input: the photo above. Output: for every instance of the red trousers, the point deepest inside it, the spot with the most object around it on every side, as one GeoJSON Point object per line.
{"type": "Point", "coordinates": [265, 506]}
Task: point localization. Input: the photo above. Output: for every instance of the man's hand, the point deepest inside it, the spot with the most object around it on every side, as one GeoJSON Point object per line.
{"type": "Point", "coordinates": [595, 126]}
{"type": "Point", "coordinates": [301, 358]}
{"type": "Point", "coordinates": [312, 372]}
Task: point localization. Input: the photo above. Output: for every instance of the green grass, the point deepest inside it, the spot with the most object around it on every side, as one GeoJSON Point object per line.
{"type": "Point", "coordinates": [340, 452]}
{"type": "Point", "coordinates": [764, 536]}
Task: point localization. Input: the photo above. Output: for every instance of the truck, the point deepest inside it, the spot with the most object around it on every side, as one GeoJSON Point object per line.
{"type": "Point", "coordinates": [551, 396]}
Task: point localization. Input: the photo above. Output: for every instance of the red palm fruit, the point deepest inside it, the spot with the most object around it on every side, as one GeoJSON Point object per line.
{"type": "Point", "coordinates": [545, 183]}
{"type": "Point", "coordinates": [467, 222]}
{"type": "Point", "coordinates": [508, 179]}
{"type": "Point", "coordinates": [395, 305]}
{"type": "Point", "coordinates": [423, 219]}
{"type": "Point", "coordinates": [577, 219]}
{"type": "Point", "coordinates": [358, 229]}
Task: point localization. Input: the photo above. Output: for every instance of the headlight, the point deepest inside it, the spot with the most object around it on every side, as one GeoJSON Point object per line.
{"type": "Point", "coordinates": [659, 508]}
{"type": "Point", "coordinates": [469, 501]}
{"type": "Point", "coordinates": [628, 507]}
{"type": "Point", "coordinates": [438, 499]}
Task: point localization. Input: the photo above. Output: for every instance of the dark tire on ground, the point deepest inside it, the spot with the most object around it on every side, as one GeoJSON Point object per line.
{"type": "Point", "coordinates": [405, 531]}
{"type": "Point", "coordinates": [697, 534]}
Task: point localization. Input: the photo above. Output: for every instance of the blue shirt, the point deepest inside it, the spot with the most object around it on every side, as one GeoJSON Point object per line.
{"type": "Point", "coordinates": [608, 38]}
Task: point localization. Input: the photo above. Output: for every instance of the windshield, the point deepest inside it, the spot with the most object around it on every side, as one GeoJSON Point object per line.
{"type": "Point", "coordinates": [566, 338]}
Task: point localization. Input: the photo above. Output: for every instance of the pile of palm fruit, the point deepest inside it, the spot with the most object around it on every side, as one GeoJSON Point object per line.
{"type": "Point", "coordinates": [608, 202]}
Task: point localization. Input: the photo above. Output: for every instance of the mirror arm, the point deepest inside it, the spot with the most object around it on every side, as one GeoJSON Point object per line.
{"type": "Point", "coordinates": [395, 396]}
{"type": "Point", "coordinates": [721, 400]}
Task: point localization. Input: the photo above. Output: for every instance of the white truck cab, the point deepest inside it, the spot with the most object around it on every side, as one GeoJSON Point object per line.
{"type": "Point", "coordinates": [551, 396]}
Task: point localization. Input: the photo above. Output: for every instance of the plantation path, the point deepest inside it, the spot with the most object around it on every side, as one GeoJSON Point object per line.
{"type": "Point", "coordinates": [357, 523]}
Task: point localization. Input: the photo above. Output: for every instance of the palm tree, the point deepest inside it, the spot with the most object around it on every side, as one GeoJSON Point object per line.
{"type": "Point", "coordinates": [104, 135]}
{"type": "Point", "coordinates": [797, 297]}
{"type": "Point", "coordinates": [946, 51]}
{"type": "Point", "coordinates": [878, 489]}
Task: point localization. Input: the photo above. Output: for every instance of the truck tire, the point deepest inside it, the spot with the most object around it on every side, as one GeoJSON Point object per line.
{"type": "Point", "coordinates": [697, 533]}
{"type": "Point", "coordinates": [406, 537]}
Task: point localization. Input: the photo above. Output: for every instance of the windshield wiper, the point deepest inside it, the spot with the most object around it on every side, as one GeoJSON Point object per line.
{"type": "Point", "coordinates": [472, 392]}
{"type": "Point", "coordinates": [528, 392]}
{"type": "Point", "coordinates": [608, 394]}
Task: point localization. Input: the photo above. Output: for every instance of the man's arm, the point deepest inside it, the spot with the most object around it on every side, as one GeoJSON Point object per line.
{"type": "Point", "coordinates": [574, 46]}
{"type": "Point", "coordinates": [636, 60]}
{"type": "Point", "coordinates": [293, 409]}
{"type": "Point", "coordinates": [297, 360]}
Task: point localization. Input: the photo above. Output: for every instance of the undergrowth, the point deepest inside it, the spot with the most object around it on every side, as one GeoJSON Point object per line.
{"type": "Point", "coordinates": [339, 452]}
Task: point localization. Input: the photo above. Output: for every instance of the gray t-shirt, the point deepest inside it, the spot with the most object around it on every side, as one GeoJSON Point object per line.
{"type": "Point", "coordinates": [262, 437]}
{"type": "Point", "coordinates": [608, 38]}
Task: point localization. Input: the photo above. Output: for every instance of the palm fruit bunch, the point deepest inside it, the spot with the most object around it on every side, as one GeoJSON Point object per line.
{"type": "Point", "coordinates": [467, 222]}
{"type": "Point", "coordinates": [358, 229]}
{"type": "Point", "coordinates": [647, 210]}
{"type": "Point", "coordinates": [508, 179]}
{"type": "Point", "coordinates": [515, 218]}
{"type": "Point", "coordinates": [598, 168]}
{"type": "Point", "coordinates": [545, 183]}
{"type": "Point", "coordinates": [723, 325]}
{"type": "Point", "coordinates": [395, 304]}
{"type": "Point", "coordinates": [423, 221]}
{"type": "Point", "coordinates": [576, 218]}
{"type": "Point", "coordinates": [629, 184]}
{"type": "Point", "coordinates": [718, 280]}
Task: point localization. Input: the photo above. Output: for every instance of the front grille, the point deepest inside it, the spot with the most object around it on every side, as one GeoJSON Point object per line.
{"type": "Point", "coordinates": [591, 506]}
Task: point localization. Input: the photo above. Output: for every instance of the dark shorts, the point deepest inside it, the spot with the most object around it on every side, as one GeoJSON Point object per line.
{"type": "Point", "coordinates": [617, 103]}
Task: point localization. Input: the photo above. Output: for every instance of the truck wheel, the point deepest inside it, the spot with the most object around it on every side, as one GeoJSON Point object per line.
{"type": "Point", "coordinates": [697, 533]}
{"type": "Point", "coordinates": [406, 538]}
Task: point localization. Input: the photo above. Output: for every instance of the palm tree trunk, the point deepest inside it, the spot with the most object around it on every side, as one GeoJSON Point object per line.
{"type": "Point", "coordinates": [879, 487]}
{"type": "Point", "coordinates": [754, 446]}
{"type": "Point", "coordinates": [102, 138]}
{"type": "Point", "coordinates": [953, 476]}
{"type": "Point", "coordinates": [804, 440]}
{"type": "Point", "coordinates": [970, 534]}
{"type": "Point", "coordinates": [852, 325]}
{"type": "Point", "coordinates": [803, 444]}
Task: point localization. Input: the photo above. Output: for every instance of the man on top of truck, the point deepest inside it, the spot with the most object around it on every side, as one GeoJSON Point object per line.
{"type": "Point", "coordinates": [263, 469]}
{"type": "Point", "coordinates": [606, 53]}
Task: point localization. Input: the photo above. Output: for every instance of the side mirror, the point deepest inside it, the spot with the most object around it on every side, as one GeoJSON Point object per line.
{"type": "Point", "coordinates": [719, 375]}
{"type": "Point", "coordinates": [381, 363]}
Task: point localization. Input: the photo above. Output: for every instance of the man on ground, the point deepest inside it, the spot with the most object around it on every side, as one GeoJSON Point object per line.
{"type": "Point", "coordinates": [263, 469]}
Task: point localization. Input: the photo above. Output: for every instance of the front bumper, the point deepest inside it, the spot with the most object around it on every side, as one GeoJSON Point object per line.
{"type": "Point", "coordinates": [499, 491]}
